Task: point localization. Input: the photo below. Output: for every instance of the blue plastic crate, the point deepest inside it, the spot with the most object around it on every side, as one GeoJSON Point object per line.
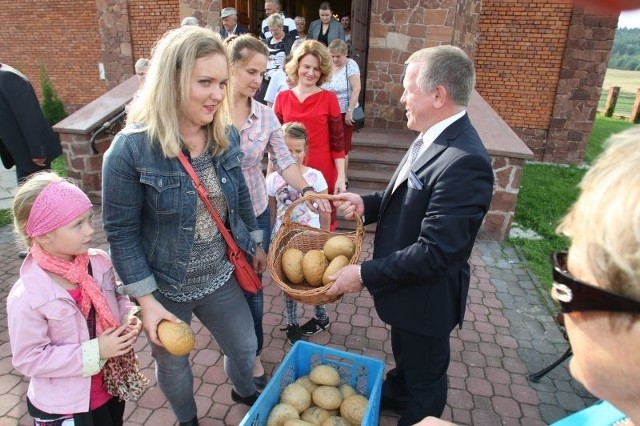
{"type": "Point", "coordinates": [363, 373]}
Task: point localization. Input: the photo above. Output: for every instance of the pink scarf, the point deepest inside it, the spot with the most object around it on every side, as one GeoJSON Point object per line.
{"type": "Point", "coordinates": [77, 272]}
{"type": "Point", "coordinates": [122, 375]}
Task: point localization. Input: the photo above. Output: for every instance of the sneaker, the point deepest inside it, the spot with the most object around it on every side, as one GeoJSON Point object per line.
{"type": "Point", "coordinates": [314, 326]}
{"type": "Point", "coordinates": [246, 400]}
{"type": "Point", "coordinates": [260, 381]}
{"type": "Point", "coordinates": [293, 333]}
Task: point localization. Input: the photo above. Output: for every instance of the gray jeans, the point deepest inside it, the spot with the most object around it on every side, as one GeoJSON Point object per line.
{"type": "Point", "coordinates": [226, 315]}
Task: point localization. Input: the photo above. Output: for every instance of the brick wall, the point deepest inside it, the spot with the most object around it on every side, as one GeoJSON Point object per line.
{"type": "Point", "coordinates": [149, 19]}
{"type": "Point", "coordinates": [61, 34]}
{"type": "Point", "coordinates": [518, 59]}
{"type": "Point", "coordinates": [541, 65]}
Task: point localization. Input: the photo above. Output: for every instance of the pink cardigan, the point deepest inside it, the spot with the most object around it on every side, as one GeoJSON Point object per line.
{"type": "Point", "coordinates": [50, 339]}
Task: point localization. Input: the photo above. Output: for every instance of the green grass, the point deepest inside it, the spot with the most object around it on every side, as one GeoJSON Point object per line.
{"type": "Point", "coordinates": [5, 217]}
{"type": "Point", "coordinates": [628, 82]}
{"type": "Point", "coordinates": [546, 193]}
{"type": "Point", "coordinates": [602, 129]}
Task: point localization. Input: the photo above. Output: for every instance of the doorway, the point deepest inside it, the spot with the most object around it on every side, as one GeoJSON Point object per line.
{"type": "Point", "coordinates": [251, 13]}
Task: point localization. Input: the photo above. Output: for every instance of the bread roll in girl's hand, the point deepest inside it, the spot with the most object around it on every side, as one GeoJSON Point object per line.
{"type": "Point", "coordinates": [177, 338]}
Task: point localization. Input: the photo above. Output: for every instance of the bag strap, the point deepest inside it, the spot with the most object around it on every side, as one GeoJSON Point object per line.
{"type": "Point", "coordinates": [346, 75]}
{"type": "Point", "coordinates": [204, 196]}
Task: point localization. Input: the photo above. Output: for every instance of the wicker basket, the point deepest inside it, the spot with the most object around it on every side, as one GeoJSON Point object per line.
{"type": "Point", "coordinates": [305, 238]}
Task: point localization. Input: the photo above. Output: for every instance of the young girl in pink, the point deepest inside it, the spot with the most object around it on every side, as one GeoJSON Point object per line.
{"type": "Point", "coordinates": [69, 331]}
{"type": "Point", "coordinates": [281, 195]}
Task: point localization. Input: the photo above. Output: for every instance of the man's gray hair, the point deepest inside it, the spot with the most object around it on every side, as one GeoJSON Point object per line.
{"type": "Point", "coordinates": [447, 66]}
{"type": "Point", "coordinates": [275, 3]}
{"type": "Point", "coordinates": [190, 20]}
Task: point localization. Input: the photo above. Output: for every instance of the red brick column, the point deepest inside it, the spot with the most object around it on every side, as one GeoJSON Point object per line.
{"type": "Point", "coordinates": [115, 41]}
{"type": "Point", "coordinates": [581, 77]}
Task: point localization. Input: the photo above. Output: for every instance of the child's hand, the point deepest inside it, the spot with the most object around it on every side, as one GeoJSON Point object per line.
{"type": "Point", "coordinates": [116, 341]}
{"type": "Point", "coordinates": [134, 324]}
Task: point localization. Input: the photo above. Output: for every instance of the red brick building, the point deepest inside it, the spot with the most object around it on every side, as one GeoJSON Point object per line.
{"type": "Point", "coordinates": [540, 64]}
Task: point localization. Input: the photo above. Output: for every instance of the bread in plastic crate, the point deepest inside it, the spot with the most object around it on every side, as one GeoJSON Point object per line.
{"type": "Point", "coordinates": [363, 373]}
{"type": "Point", "coordinates": [305, 238]}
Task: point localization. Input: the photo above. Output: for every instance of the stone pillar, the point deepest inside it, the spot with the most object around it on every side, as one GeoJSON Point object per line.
{"type": "Point", "coordinates": [612, 100]}
{"type": "Point", "coordinates": [115, 40]}
{"type": "Point", "coordinates": [207, 11]}
{"type": "Point", "coordinates": [82, 164]}
{"type": "Point", "coordinates": [581, 77]}
{"type": "Point", "coordinates": [508, 173]}
{"type": "Point", "coordinates": [465, 29]}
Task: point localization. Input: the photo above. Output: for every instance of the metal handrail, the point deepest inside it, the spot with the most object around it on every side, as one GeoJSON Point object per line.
{"type": "Point", "coordinates": [107, 125]}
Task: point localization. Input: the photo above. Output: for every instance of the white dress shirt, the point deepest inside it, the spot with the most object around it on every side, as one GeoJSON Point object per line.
{"type": "Point", "coordinates": [427, 139]}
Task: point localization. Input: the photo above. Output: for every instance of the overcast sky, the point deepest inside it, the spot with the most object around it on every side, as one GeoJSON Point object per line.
{"type": "Point", "coordinates": [629, 19]}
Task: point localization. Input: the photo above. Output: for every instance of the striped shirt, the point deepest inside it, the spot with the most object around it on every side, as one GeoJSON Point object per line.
{"type": "Point", "coordinates": [261, 132]}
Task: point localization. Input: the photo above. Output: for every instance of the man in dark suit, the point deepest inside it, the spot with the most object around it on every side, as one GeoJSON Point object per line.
{"type": "Point", "coordinates": [230, 25]}
{"type": "Point", "coordinates": [427, 221]}
{"type": "Point", "coordinates": [26, 138]}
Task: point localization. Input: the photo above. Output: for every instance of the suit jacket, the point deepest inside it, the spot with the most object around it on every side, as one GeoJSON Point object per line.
{"type": "Point", "coordinates": [419, 274]}
{"type": "Point", "coordinates": [239, 30]}
{"type": "Point", "coordinates": [24, 131]}
{"type": "Point", "coordinates": [336, 30]}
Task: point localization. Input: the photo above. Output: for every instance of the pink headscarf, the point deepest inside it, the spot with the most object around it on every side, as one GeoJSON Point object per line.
{"type": "Point", "coordinates": [58, 203]}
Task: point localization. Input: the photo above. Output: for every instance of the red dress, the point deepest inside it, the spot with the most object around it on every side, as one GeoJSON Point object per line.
{"type": "Point", "coordinates": [320, 115]}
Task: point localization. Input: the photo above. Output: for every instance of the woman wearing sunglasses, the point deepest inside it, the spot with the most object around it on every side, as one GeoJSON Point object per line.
{"type": "Point", "coordinates": [597, 284]}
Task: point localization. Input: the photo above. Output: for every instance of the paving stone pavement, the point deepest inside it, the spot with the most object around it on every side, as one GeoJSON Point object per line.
{"type": "Point", "coordinates": [8, 186]}
{"type": "Point", "coordinates": [508, 333]}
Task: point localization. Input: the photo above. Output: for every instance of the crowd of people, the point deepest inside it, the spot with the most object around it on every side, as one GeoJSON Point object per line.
{"type": "Point", "coordinates": [202, 97]}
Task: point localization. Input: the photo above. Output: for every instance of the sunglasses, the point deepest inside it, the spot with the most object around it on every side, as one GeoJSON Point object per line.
{"type": "Point", "coordinates": [578, 296]}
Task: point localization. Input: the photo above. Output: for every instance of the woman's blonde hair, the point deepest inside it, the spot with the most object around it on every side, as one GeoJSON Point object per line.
{"type": "Point", "coordinates": [606, 217]}
{"type": "Point", "coordinates": [338, 46]}
{"type": "Point", "coordinates": [165, 92]}
{"type": "Point", "coordinates": [26, 196]}
{"type": "Point", "coordinates": [275, 20]}
{"type": "Point", "coordinates": [317, 49]}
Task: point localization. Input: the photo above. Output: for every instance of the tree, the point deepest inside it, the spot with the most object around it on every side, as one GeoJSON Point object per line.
{"type": "Point", "coordinates": [52, 106]}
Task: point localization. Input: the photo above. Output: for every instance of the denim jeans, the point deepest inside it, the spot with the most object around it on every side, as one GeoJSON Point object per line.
{"type": "Point", "coordinates": [256, 301]}
{"type": "Point", "coordinates": [228, 318]}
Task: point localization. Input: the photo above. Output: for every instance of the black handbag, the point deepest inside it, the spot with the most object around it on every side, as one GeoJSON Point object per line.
{"type": "Point", "coordinates": [358, 113]}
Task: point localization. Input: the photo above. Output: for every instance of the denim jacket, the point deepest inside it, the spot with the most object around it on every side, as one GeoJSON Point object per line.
{"type": "Point", "coordinates": [149, 210]}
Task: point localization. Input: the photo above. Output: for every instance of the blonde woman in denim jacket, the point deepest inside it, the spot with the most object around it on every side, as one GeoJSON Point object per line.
{"type": "Point", "coordinates": [165, 246]}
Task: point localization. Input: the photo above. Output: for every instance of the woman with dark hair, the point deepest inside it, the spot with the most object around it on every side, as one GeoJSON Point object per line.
{"type": "Point", "coordinates": [326, 29]}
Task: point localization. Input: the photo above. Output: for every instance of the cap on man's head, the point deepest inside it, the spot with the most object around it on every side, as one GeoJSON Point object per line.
{"type": "Point", "coordinates": [228, 11]}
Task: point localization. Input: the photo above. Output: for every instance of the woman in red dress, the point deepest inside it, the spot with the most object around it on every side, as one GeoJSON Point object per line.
{"type": "Point", "coordinates": [318, 110]}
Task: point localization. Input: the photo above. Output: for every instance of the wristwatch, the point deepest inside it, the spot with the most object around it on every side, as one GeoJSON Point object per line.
{"type": "Point", "coordinates": [306, 188]}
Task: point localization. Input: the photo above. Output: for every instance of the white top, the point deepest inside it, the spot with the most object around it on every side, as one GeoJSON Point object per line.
{"type": "Point", "coordinates": [338, 83]}
{"type": "Point", "coordinates": [289, 23]}
{"type": "Point", "coordinates": [285, 195]}
{"type": "Point", "coordinates": [277, 84]}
